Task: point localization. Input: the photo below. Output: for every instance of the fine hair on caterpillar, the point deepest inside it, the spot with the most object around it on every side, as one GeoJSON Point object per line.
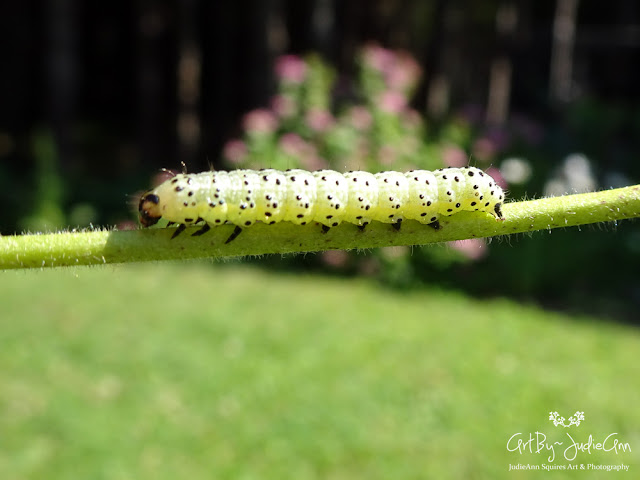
{"type": "Point", "coordinates": [244, 197]}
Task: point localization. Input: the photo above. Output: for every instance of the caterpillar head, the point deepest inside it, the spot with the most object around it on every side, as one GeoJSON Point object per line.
{"type": "Point", "coordinates": [174, 200]}
{"type": "Point", "coordinates": [149, 209]}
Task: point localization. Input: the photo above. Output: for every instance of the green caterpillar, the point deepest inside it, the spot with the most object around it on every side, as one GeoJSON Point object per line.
{"type": "Point", "coordinates": [244, 197]}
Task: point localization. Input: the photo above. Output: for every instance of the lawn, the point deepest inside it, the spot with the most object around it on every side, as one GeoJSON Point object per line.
{"type": "Point", "coordinates": [226, 371]}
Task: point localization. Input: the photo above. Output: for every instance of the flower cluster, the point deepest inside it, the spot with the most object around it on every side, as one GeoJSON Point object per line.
{"type": "Point", "coordinates": [307, 126]}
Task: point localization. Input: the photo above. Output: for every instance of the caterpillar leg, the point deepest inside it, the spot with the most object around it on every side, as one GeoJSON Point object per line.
{"type": "Point", "coordinates": [205, 228]}
{"type": "Point", "coordinates": [236, 231]}
{"type": "Point", "coordinates": [498, 210]}
{"type": "Point", "coordinates": [397, 225]}
{"type": "Point", "coordinates": [325, 229]}
{"type": "Point", "coordinates": [178, 231]}
{"type": "Point", "coordinates": [435, 225]}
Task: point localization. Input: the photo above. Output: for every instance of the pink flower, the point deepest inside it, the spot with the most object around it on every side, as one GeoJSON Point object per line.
{"type": "Point", "coordinates": [335, 258]}
{"type": "Point", "coordinates": [377, 57]}
{"type": "Point", "coordinates": [360, 117]}
{"type": "Point", "coordinates": [319, 120]}
{"type": "Point", "coordinates": [453, 156]}
{"type": "Point", "coordinates": [400, 70]}
{"type": "Point", "coordinates": [392, 102]}
{"type": "Point", "coordinates": [283, 105]}
{"type": "Point", "coordinates": [291, 69]}
{"type": "Point", "coordinates": [235, 151]}
{"type": "Point", "coordinates": [473, 248]}
{"type": "Point", "coordinates": [403, 74]}
{"type": "Point", "coordinates": [304, 152]}
{"type": "Point", "coordinates": [260, 121]}
{"type": "Point", "coordinates": [293, 144]}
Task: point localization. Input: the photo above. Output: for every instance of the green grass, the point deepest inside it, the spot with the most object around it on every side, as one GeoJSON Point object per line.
{"type": "Point", "coordinates": [220, 371]}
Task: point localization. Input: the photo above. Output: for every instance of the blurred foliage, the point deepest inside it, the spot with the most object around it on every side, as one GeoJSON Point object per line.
{"type": "Point", "coordinates": [46, 203]}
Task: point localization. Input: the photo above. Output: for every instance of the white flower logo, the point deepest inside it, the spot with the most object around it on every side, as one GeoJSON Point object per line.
{"type": "Point", "coordinates": [573, 420]}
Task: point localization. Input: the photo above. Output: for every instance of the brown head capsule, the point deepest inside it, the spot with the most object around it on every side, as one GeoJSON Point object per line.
{"type": "Point", "coordinates": [149, 210]}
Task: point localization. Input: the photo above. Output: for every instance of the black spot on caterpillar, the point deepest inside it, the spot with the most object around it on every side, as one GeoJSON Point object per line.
{"type": "Point", "coordinates": [244, 197]}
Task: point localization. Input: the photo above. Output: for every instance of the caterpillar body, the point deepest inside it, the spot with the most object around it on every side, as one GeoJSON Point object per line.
{"type": "Point", "coordinates": [244, 197]}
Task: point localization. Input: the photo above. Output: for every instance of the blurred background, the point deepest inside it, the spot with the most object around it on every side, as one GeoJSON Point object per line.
{"type": "Point", "coordinates": [329, 365]}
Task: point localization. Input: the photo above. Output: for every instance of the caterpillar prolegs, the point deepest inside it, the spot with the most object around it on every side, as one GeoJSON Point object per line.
{"type": "Point", "coordinates": [244, 197]}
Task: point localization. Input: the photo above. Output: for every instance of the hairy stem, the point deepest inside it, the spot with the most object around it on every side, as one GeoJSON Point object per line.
{"type": "Point", "coordinates": [99, 247]}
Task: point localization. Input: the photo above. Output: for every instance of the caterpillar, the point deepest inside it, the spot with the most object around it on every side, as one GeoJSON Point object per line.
{"type": "Point", "coordinates": [244, 197]}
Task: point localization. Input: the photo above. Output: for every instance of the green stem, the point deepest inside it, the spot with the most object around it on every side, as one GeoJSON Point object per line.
{"type": "Point", "coordinates": [98, 247]}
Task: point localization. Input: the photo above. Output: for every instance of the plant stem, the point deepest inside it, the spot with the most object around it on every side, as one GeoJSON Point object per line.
{"type": "Point", "coordinates": [100, 247]}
